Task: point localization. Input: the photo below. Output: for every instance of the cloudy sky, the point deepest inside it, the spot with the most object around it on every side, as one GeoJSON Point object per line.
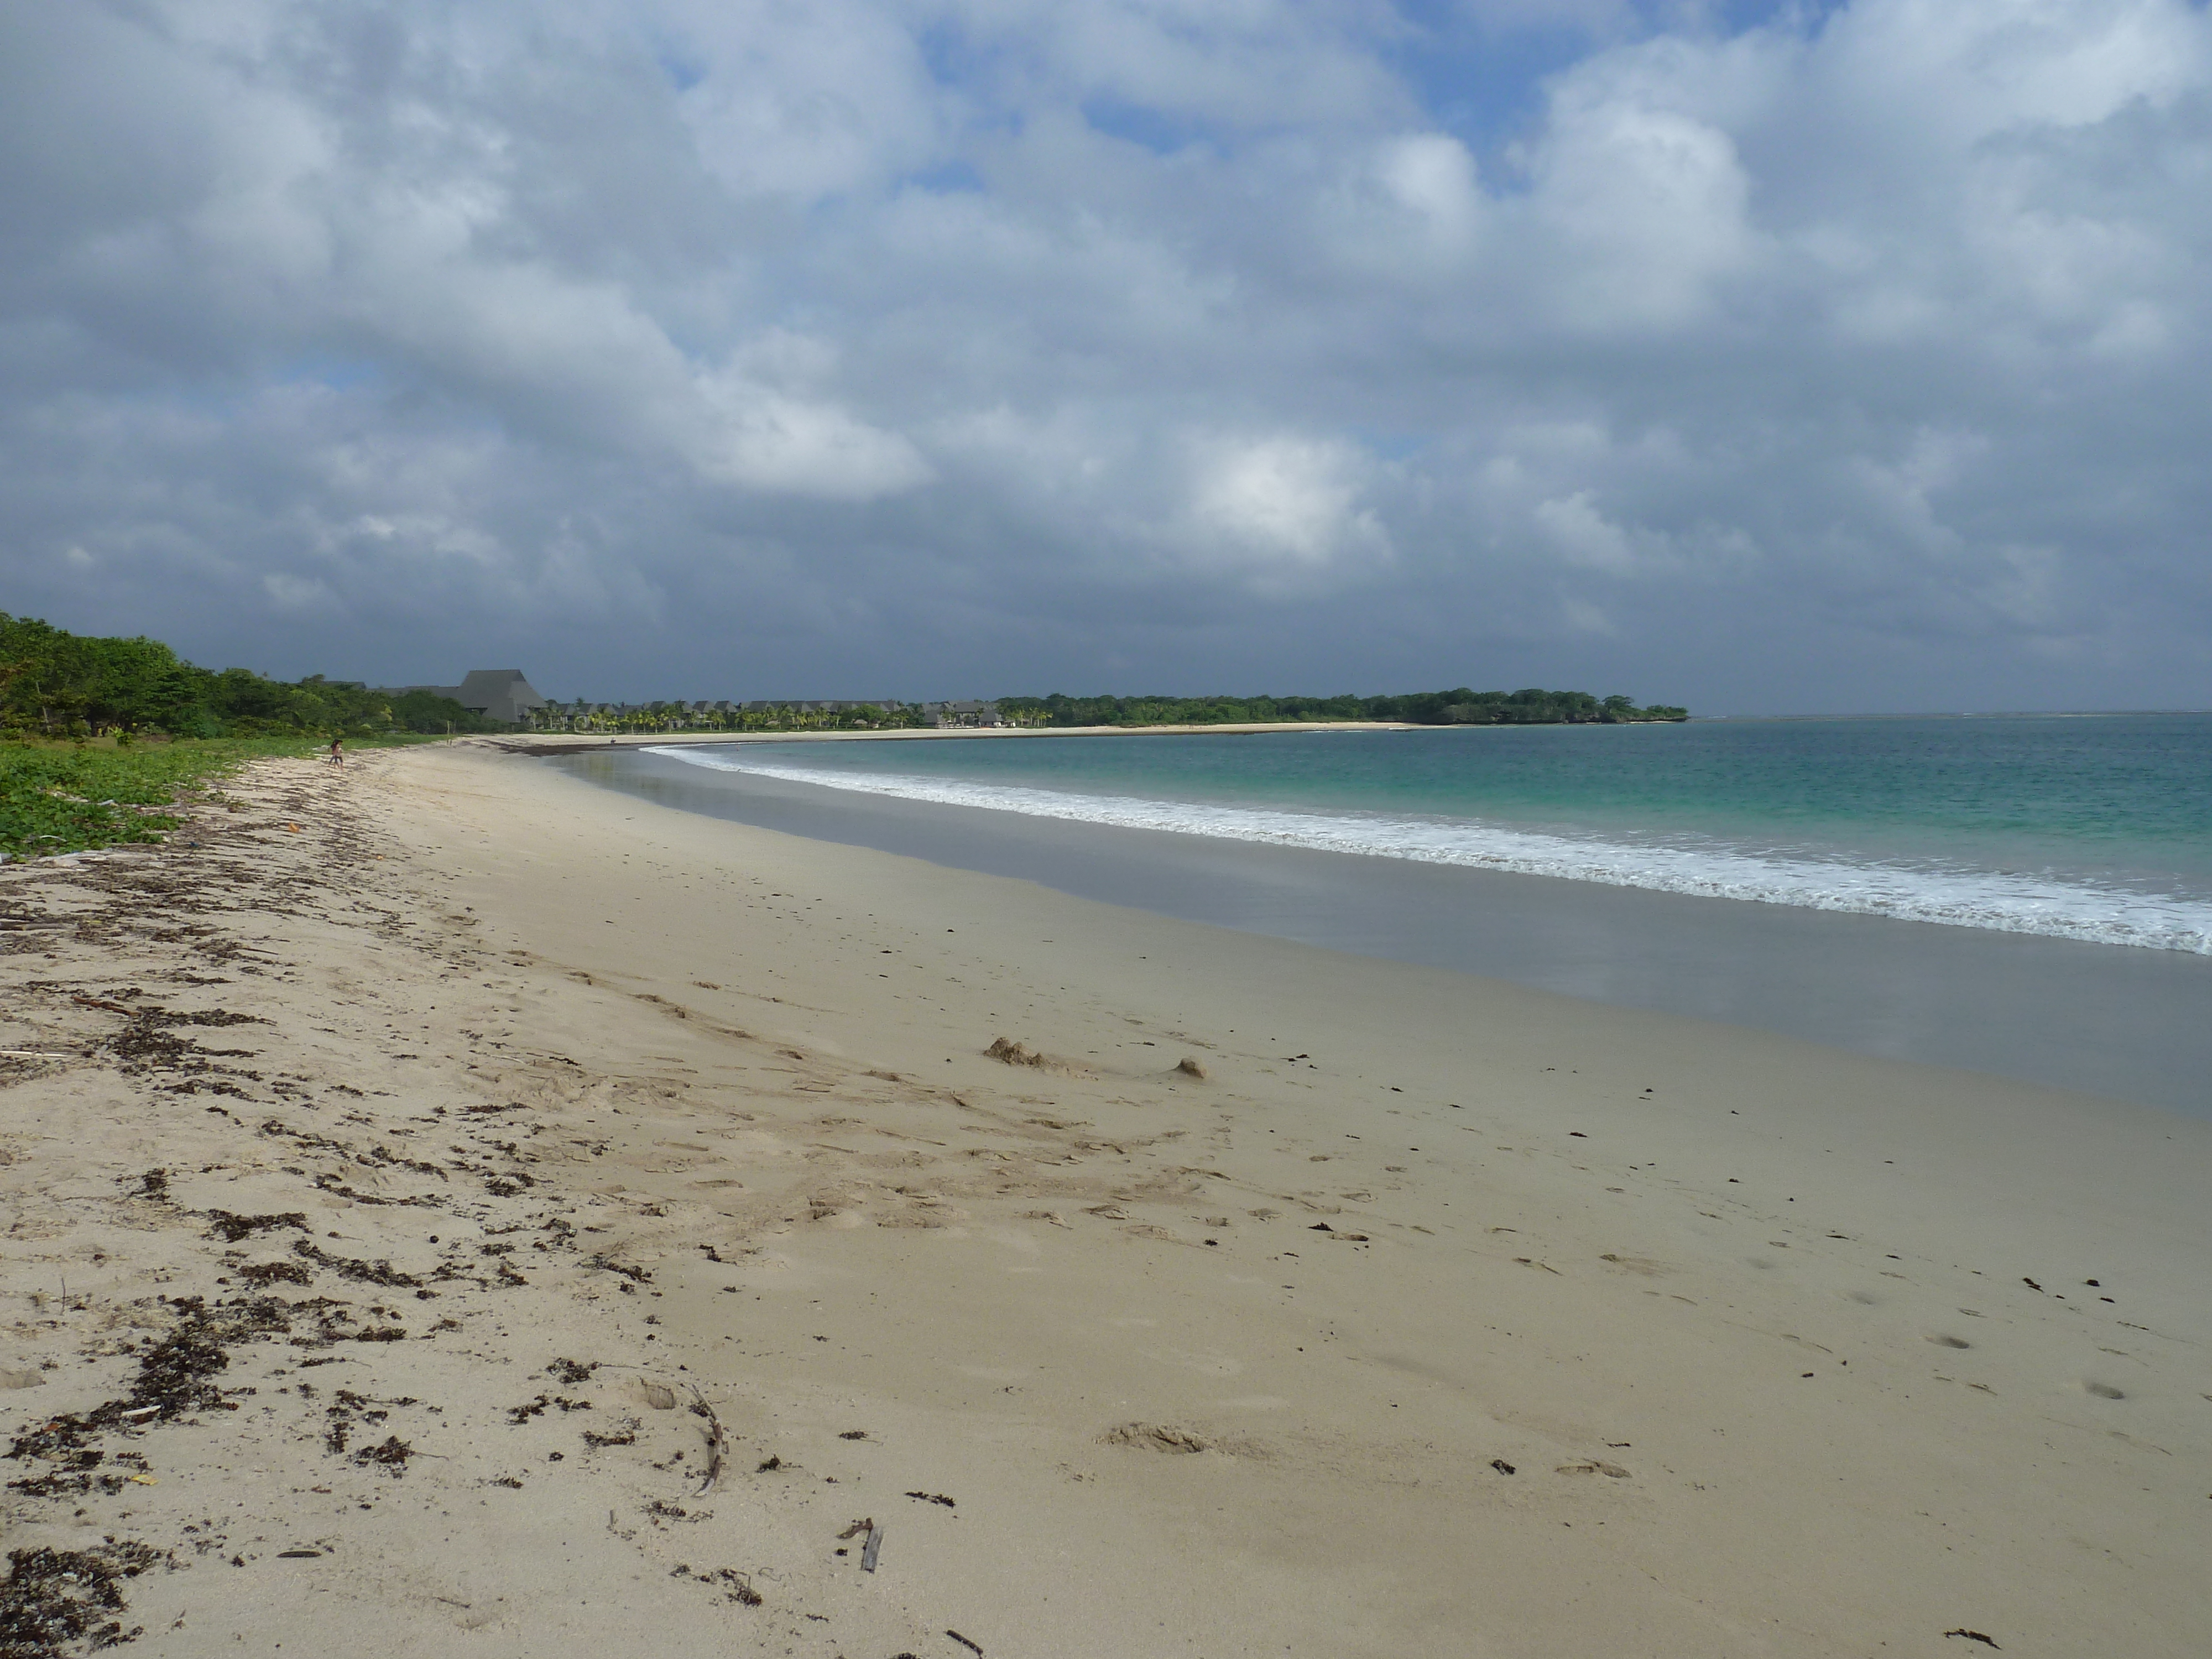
{"type": "Point", "coordinates": [1762, 357]}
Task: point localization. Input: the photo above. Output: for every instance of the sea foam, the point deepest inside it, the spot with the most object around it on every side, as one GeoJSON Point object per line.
{"type": "Point", "coordinates": [2002, 901]}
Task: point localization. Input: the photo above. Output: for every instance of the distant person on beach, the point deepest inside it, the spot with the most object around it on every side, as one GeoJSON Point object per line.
{"type": "Point", "coordinates": [337, 751]}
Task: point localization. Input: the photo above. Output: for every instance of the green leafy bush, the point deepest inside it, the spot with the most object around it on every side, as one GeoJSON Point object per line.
{"type": "Point", "coordinates": [60, 799]}
{"type": "Point", "coordinates": [57, 684]}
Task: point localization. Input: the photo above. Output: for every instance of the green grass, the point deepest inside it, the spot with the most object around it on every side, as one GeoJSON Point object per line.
{"type": "Point", "coordinates": [66, 798]}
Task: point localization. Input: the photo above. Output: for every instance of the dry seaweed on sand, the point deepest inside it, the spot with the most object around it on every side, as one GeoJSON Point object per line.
{"type": "Point", "coordinates": [174, 1379]}
{"type": "Point", "coordinates": [262, 1273]}
{"type": "Point", "coordinates": [53, 1598]}
{"type": "Point", "coordinates": [740, 1587]}
{"type": "Point", "coordinates": [368, 1272]}
{"type": "Point", "coordinates": [391, 1454]}
{"type": "Point", "coordinates": [231, 1229]}
{"type": "Point", "coordinates": [635, 1275]}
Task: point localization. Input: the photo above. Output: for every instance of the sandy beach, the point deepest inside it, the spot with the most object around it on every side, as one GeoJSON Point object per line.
{"type": "Point", "coordinates": [452, 1208]}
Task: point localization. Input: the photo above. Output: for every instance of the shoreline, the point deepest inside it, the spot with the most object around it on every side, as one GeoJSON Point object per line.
{"type": "Point", "coordinates": [1786, 1349]}
{"type": "Point", "coordinates": [2113, 1020]}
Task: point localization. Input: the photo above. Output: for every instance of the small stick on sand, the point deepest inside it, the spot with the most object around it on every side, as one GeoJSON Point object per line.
{"type": "Point", "coordinates": [718, 1446]}
{"type": "Point", "coordinates": [875, 1543]}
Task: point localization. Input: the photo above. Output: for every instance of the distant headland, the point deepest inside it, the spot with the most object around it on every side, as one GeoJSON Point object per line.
{"type": "Point", "coordinates": [55, 684]}
{"type": "Point", "coordinates": [1459, 706]}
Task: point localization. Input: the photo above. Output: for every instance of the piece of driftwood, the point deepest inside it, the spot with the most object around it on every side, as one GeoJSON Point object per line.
{"type": "Point", "coordinates": [718, 1445]}
{"type": "Point", "coordinates": [874, 1545]}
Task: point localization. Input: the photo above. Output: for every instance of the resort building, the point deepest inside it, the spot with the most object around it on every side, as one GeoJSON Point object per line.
{"type": "Point", "coordinates": [968, 713]}
{"type": "Point", "coordinates": [499, 694]}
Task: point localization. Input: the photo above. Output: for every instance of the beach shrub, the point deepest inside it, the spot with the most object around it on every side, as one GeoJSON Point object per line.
{"type": "Point", "coordinates": [54, 684]}
{"type": "Point", "coordinates": [64, 798]}
{"type": "Point", "coordinates": [71, 797]}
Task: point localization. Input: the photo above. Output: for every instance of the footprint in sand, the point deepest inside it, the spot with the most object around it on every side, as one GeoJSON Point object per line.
{"type": "Point", "coordinates": [2103, 1390]}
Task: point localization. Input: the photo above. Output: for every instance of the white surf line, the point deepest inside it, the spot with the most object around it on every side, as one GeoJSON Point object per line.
{"type": "Point", "coordinates": [1993, 900]}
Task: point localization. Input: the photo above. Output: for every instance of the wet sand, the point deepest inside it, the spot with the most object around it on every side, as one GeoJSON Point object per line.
{"type": "Point", "coordinates": [2107, 1019]}
{"type": "Point", "coordinates": [1439, 1316]}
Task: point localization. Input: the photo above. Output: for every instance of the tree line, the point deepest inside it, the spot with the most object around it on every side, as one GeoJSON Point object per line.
{"type": "Point", "coordinates": [1458, 707]}
{"type": "Point", "coordinates": [56, 684]}
{"type": "Point", "coordinates": [59, 684]}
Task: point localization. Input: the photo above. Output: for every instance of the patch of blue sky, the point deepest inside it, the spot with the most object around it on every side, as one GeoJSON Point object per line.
{"type": "Point", "coordinates": [1154, 130]}
{"type": "Point", "coordinates": [1486, 83]}
{"type": "Point", "coordinates": [1484, 86]}
{"type": "Point", "coordinates": [678, 60]}
{"type": "Point", "coordinates": [682, 73]}
{"type": "Point", "coordinates": [1805, 17]}
{"type": "Point", "coordinates": [946, 178]}
{"type": "Point", "coordinates": [950, 53]}
{"type": "Point", "coordinates": [985, 77]}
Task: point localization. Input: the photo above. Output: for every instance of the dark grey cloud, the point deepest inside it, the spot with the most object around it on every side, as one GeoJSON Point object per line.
{"type": "Point", "coordinates": [1850, 356]}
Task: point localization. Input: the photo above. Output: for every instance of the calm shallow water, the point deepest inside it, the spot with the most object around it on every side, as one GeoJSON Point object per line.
{"type": "Point", "coordinates": [2118, 1020]}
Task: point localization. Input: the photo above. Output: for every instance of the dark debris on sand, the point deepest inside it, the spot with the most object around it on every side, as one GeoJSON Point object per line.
{"type": "Point", "coordinates": [52, 1599]}
{"type": "Point", "coordinates": [175, 1377]}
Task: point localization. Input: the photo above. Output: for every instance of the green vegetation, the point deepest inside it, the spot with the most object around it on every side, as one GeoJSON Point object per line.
{"type": "Point", "coordinates": [1459, 706]}
{"type": "Point", "coordinates": [640, 718]}
{"type": "Point", "coordinates": [64, 798]}
{"type": "Point", "coordinates": [99, 736]}
{"type": "Point", "coordinates": [58, 684]}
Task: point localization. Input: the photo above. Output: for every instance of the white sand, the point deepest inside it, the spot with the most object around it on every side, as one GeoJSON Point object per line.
{"type": "Point", "coordinates": [1756, 1341]}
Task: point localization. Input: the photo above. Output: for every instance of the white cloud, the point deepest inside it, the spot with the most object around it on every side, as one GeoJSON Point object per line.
{"type": "Point", "coordinates": [1585, 536]}
{"type": "Point", "coordinates": [766, 440]}
{"type": "Point", "coordinates": [1281, 508]}
{"type": "Point", "coordinates": [1173, 336]}
{"type": "Point", "coordinates": [1432, 176]}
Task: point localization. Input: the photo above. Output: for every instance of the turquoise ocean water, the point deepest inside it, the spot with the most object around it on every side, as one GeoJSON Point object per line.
{"type": "Point", "coordinates": [2090, 828]}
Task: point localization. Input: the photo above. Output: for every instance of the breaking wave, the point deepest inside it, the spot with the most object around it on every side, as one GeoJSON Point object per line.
{"type": "Point", "coordinates": [1958, 897]}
